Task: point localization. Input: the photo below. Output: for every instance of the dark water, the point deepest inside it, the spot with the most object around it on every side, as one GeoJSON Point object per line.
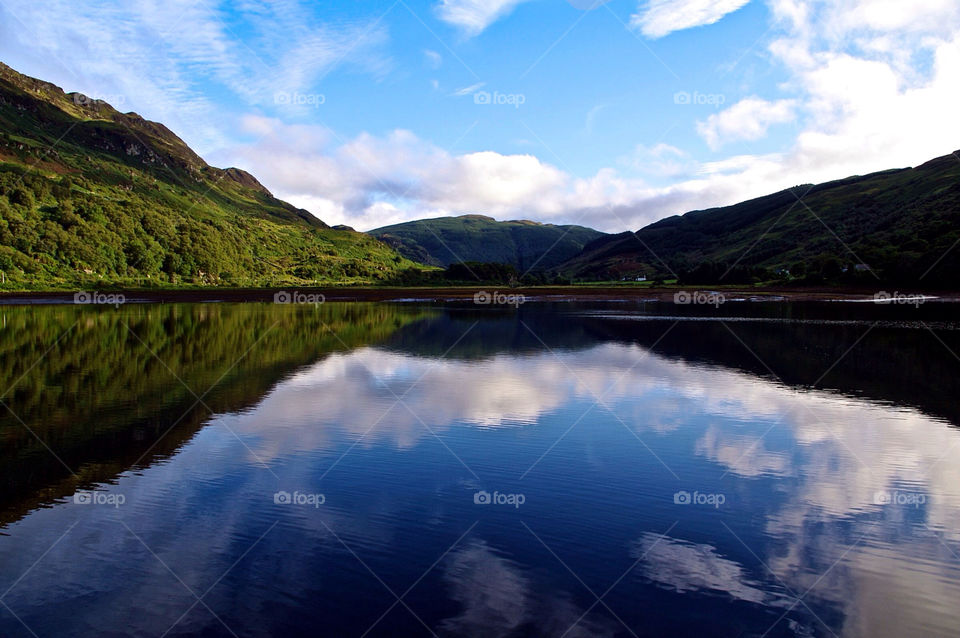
{"type": "Point", "coordinates": [751, 470]}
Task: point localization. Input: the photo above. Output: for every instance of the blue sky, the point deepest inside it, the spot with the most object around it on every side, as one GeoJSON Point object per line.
{"type": "Point", "coordinates": [607, 114]}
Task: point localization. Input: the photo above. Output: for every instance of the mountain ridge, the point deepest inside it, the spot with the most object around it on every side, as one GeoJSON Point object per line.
{"type": "Point", "coordinates": [90, 195]}
{"type": "Point", "coordinates": [524, 244]}
{"type": "Point", "coordinates": [897, 225]}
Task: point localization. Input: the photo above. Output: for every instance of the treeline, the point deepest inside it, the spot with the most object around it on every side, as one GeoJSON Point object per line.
{"type": "Point", "coordinates": [75, 231]}
{"type": "Point", "coordinates": [824, 269]}
{"type": "Point", "coordinates": [65, 366]}
{"type": "Point", "coordinates": [476, 272]}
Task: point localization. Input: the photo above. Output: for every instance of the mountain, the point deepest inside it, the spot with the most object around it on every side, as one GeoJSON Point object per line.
{"type": "Point", "coordinates": [446, 240]}
{"type": "Point", "coordinates": [898, 223]}
{"type": "Point", "coordinates": [90, 195]}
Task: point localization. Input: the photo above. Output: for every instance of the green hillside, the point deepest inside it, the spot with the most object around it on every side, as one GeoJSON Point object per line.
{"type": "Point", "coordinates": [904, 225]}
{"type": "Point", "coordinates": [91, 196]}
{"type": "Point", "coordinates": [475, 238]}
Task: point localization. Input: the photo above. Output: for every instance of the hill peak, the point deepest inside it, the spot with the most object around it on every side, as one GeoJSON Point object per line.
{"type": "Point", "coordinates": [100, 124]}
{"type": "Point", "coordinates": [91, 196]}
{"type": "Point", "coordinates": [525, 244]}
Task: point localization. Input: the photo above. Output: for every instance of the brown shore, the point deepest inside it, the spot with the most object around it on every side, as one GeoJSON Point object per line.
{"type": "Point", "coordinates": [466, 293]}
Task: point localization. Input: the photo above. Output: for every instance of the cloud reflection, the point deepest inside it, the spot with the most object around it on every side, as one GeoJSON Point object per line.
{"type": "Point", "coordinates": [836, 451]}
{"type": "Point", "coordinates": [691, 567]}
{"type": "Point", "coordinates": [500, 599]}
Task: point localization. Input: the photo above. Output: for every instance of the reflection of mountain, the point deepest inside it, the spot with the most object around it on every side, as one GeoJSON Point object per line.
{"type": "Point", "coordinates": [898, 360]}
{"type": "Point", "coordinates": [799, 467]}
{"type": "Point", "coordinates": [850, 436]}
{"type": "Point", "coordinates": [464, 332]}
{"type": "Point", "coordinates": [100, 388]}
{"type": "Point", "coordinates": [100, 400]}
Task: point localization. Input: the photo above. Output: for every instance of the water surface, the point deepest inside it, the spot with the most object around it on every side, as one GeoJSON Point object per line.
{"type": "Point", "coordinates": [557, 469]}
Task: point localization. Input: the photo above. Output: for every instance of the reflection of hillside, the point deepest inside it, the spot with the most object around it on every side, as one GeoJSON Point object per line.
{"type": "Point", "coordinates": [905, 365]}
{"type": "Point", "coordinates": [101, 401]}
{"type": "Point", "coordinates": [897, 365]}
{"type": "Point", "coordinates": [464, 332]}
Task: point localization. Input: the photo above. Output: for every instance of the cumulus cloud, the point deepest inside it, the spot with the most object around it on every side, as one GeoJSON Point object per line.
{"type": "Point", "coordinates": [662, 17]}
{"type": "Point", "coordinates": [473, 16]}
{"type": "Point", "coordinates": [661, 159]}
{"type": "Point", "coordinates": [868, 85]}
{"type": "Point", "coordinates": [859, 99]}
{"type": "Point", "coordinates": [748, 119]}
{"type": "Point", "coordinates": [371, 181]}
{"type": "Point", "coordinates": [864, 102]}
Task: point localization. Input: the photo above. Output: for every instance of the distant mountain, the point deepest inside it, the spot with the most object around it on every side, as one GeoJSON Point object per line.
{"type": "Point", "coordinates": [899, 224]}
{"type": "Point", "coordinates": [90, 195]}
{"type": "Point", "coordinates": [525, 244]}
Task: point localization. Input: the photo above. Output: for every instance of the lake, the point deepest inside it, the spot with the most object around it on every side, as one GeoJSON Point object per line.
{"type": "Point", "coordinates": [544, 469]}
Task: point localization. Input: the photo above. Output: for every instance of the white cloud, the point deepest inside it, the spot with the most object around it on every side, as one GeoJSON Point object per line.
{"type": "Point", "coordinates": [863, 101]}
{"type": "Point", "coordinates": [748, 119]}
{"type": "Point", "coordinates": [434, 59]}
{"type": "Point", "coordinates": [661, 17]}
{"type": "Point", "coordinates": [473, 16]}
{"type": "Point", "coordinates": [871, 85]}
{"type": "Point", "coordinates": [592, 118]}
{"type": "Point", "coordinates": [467, 90]}
{"type": "Point", "coordinates": [166, 59]}
{"type": "Point", "coordinates": [370, 181]}
{"type": "Point", "coordinates": [661, 160]}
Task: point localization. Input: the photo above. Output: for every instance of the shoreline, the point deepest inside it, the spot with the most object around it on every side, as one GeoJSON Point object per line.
{"type": "Point", "coordinates": [467, 293]}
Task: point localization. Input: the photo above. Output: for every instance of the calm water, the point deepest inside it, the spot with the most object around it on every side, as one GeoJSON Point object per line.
{"type": "Point", "coordinates": [554, 470]}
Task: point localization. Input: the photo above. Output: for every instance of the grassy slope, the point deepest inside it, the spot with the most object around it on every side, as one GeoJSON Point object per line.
{"type": "Point", "coordinates": [445, 240]}
{"type": "Point", "coordinates": [89, 195]}
{"type": "Point", "coordinates": [900, 222]}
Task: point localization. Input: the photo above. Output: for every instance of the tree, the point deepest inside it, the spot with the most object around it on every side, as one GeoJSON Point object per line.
{"type": "Point", "coordinates": [22, 197]}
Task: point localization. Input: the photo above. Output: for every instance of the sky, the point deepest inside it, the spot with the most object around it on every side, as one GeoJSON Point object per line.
{"type": "Point", "coordinates": [606, 114]}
